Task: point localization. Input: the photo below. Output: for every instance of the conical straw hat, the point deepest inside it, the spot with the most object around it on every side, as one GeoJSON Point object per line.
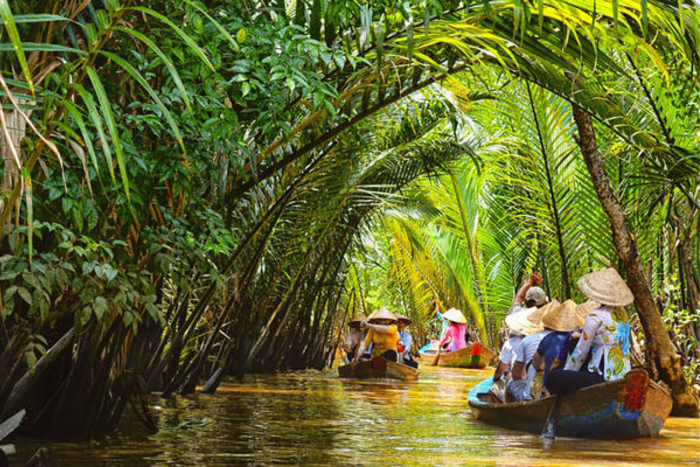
{"type": "Point", "coordinates": [536, 317]}
{"type": "Point", "coordinates": [606, 287]}
{"type": "Point", "coordinates": [454, 315]}
{"type": "Point", "coordinates": [519, 322]}
{"type": "Point", "coordinates": [359, 319]}
{"type": "Point", "coordinates": [382, 313]}
{"type": "Point", "coordinates": [583, 309]}
{"type": "Point", "coordinates": [403, 318]}
{"type": "Point", "coordinates": [562, 318]}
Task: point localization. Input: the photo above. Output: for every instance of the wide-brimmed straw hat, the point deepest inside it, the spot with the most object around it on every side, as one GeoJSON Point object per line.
{"type": "Point", "coordinates": [382, 313]}
{"type": "Point", "coordinates": [606, 287]}
{"type": "Point", "coordinates": [537, 295]}
{"type": "Point", "coordinates": [455, 315]}
{"type": "Point", "coordinates": [403, 318]}
{"type": "Point", "coordinates": [562, 318]}
{"type": "Point", "coordinates": [519, 322]}
{"type": "Point", "coordinates": [359, 319]}
{"type": "Point", "coordinates": [583, 309]}
{"type": "Point", "coordinates": [536, 317]}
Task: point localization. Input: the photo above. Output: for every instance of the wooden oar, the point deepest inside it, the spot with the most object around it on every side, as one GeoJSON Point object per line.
{"type": "Point", "coordinates": [549, 431]}
{"type": "Point", "coordinates": [437, 355]}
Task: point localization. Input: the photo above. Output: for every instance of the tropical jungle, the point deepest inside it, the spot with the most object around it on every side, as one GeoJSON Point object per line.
{"type": "Point", "coordinates": [198, 198]}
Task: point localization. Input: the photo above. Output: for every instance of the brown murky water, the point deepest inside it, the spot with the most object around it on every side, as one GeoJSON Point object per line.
{"type": "Point", "coordinates": [314, 418]}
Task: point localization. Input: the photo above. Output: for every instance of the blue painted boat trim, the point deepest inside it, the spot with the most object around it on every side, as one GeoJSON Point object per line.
{"type": "Point", "coordinates": [481, 388]}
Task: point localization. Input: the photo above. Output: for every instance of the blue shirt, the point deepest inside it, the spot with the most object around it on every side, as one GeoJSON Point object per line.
{"type": "Point", "coordinates": [549, 348]}
{"type": "Point", "coordinates": [444, 325]}
{"type": "Point", "coordinates": [406, 340]}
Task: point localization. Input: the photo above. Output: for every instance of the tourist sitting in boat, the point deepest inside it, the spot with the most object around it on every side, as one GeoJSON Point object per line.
{"type": "Point", "coordinates": [531, 296]}
{"type": "Point", "coordinates": [519, 384]}
{"type": "Point", "coordinates": [456, 327]}
{"type": "Point", "coordinates": [353, 338]}
{"type": "Point", "coordinates": [383, 335]}
{"type": "Point", "coordinates": [546, 359]}
{"type": "Point", "coordinates": [563, 321]}
{"type": "Point", "coordinates": [518, 327]}
{"type": "Point", "coordinates": [604, 341]}
{"type": "Point", "coordinates": [405, 341]}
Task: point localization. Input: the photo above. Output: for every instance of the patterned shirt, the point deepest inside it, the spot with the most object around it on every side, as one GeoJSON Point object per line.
{"type": "Point", "coordinates": [606, 336]}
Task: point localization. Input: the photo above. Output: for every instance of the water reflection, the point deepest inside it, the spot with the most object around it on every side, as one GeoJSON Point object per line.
{"type": "Point", "coordinates": [314, 418]}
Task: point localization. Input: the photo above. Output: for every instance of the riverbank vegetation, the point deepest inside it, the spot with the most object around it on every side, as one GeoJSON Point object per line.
{"type": "Point", "coordinates": [192, 190]}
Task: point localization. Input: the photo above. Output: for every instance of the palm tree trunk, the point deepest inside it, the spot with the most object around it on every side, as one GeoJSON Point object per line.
{"type": "Point", "coordinates": [662, 361]}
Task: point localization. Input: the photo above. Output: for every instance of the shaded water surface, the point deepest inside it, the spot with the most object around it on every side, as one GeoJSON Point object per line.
{"type": "Point", "coordinates": [314, 418]}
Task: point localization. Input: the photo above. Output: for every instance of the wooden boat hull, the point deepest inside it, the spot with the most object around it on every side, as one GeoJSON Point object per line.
{"type": "Point", "coordinates": [633, 407]}
{"type": "Point", "coordinates": [461, 358]}
{"type": "Point", "coordinates": [378, 367]}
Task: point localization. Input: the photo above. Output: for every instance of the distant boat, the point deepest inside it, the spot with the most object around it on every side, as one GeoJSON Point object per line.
{"type": "Point", "coordinates": [466, 357]}
{"type": "Point", "coordinates": [633, 407]}
{"type": "Point", "coordinates": [378, 367]}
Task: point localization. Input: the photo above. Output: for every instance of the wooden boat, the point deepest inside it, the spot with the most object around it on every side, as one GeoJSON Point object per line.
{"type": "Point", "coordinates": [461, 358]}
{"type": "Point", "coordinates": [633, 407]}
{"type": "Point", "coordinates": [378, 367]}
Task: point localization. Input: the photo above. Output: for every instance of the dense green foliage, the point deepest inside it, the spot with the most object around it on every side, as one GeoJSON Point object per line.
{"type": "Point", "coordinates": [190, 189]}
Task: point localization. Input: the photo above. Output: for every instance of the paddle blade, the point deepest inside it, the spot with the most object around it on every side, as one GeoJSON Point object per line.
{"type": "Point", "coordinates": [549, 431]}
{"type": "Point", "coordinates": [11, 424]}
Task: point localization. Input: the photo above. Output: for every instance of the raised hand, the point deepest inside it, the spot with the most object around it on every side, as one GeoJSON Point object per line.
{"type": "Point", "coordinates": [535, 278]}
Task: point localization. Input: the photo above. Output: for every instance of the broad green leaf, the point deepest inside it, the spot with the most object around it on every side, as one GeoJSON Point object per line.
{"type": "Point", "coordinates": [111, 126]}
{"type": "Point", "coordinates": [17, 46]}
{"type": "Point", "coordinates": [100, 307]}
{"type": "Point", "coordinates": [44, 309]}
{"type": "Point", "coordinates": [128, 318]}
{"type": "Point", "coordinates": [30, 359]}
{"type": "Point", "coordinates": [26, 296]}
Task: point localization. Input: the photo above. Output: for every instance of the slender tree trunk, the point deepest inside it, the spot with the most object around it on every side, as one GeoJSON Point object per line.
{"type": "Point", "coordinates": [662, 361]}
{"type": "Point", "coordinates": [553, 198]}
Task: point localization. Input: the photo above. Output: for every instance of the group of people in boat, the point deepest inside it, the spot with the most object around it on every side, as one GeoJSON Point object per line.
{"type": "Point", "coordinates": [383, 334]}
{"type": "Point", "coordinates": [565, 346]}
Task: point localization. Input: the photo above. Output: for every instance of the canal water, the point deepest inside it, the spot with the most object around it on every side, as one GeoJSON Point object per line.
{"type": "Point", "coordinates": [316, 419]}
